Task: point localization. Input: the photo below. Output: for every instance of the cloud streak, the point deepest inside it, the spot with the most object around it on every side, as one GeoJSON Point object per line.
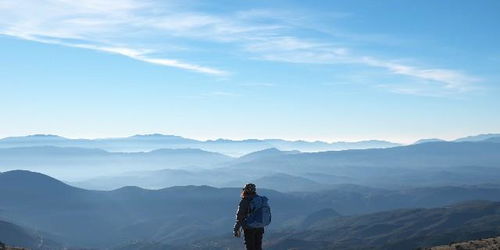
{"type": "Point", "coordinates": [137, 54]}
{"type": "Point", "coordinates": [90, 24]}
{"type": "Point", "coordinates": [450, 79]}
{"type": "Point", "coordinates": [293, 50]}
{"type": "Point", "coordinates": [141, 30]}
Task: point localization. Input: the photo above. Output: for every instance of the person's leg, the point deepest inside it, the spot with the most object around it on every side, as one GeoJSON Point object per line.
{"type": "Point", "coordinates": [258, 239]}
{"type": "Point", "coordinates": [250, 239]}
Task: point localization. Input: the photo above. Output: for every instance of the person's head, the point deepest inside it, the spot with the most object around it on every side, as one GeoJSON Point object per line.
{"type": "Point", "coordinates": [248, 189]}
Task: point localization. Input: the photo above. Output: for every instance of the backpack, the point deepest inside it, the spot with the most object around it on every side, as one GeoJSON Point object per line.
{"type": "Point", "coordinates": [260, 213]}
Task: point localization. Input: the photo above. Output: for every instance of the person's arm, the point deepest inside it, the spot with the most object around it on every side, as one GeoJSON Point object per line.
{"type": "Point", "coordinates": [241, 214]}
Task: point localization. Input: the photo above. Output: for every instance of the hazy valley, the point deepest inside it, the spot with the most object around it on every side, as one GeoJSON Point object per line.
{"type": "Point", "coordinates": [403, 197]}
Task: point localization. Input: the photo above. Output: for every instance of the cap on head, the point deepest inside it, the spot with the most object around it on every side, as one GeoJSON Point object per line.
{"type": "Point", "coordinates": [250, 188]}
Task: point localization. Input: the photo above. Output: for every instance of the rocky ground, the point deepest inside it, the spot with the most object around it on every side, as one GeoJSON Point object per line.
{"type": "Point", "coordinates": [11, 248]}
{"type": "Point", "coordinates": [483, 244]}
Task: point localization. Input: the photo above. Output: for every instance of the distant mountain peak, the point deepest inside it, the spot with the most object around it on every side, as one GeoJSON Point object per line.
{"type": "Point", "coordinates": [130, 189]}
{"type": "Point", "coordinates": [428, 140]}
{"type": "Point", "coordinates": [480, 137]}
{"type": "Point", "coordinates": [45, 136]}
{"type": "Point", "coordinates": [377, 141]}
{"type": "Point", "coordinates": [30, 179]}
{"type": "Point", "coordinates": [35, 137]}
{"type": "Point", "coordinates": [155, 135]}
{"type": "Point", "coordinates": [54, 149]}
{"type": "Point", "coordinates": [269, 152]}
{"type": "Point", "coordinates": [184, 150]}
{"type": "Point", "coordinates": [386, 143]}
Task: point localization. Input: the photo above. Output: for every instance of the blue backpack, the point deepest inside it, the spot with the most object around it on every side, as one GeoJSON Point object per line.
{"type": "Point", "coordinates": [260, 213]}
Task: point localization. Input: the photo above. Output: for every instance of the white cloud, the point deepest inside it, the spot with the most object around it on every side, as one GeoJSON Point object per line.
{"type": "Point", "coordinates": [142, 29]}
{"type": "Point", "coordinates": [90, 24]}
{"type": "Point", "coordinates": [450, 79]}
{"type": "Point", "coordinates": [137, 54]}
{"type": "Point", "coordinates": [294, 50]}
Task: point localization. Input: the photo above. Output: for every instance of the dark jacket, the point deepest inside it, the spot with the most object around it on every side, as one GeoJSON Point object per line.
{"type": "Point", "coordinates": [243, 211]}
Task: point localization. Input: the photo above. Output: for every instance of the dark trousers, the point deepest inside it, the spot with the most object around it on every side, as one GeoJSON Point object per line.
{"type": "Point", "coordinates": [253, 238]}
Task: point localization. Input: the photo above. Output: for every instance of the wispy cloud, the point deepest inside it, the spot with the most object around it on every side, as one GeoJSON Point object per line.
{"type": "Point", "coordinates": [450, 79]}
{"type": "Point", "coordinates": [294, 50]}
{"type": "Point", "coordinates": [97, 25]}
{"type": "Point", "coordinates": [142, 30]}
{"type": "Point", "coordinates": [137, 54]}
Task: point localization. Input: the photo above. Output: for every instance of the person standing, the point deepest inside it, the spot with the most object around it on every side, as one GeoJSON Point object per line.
{"type": "Point", "coordinates": [253, 215]}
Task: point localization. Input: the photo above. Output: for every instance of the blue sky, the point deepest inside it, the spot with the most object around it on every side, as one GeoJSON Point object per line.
{"type": "Point", "coordinates": [313, 70]}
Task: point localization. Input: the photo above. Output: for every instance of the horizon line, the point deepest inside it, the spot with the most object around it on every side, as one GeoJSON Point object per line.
{"type": "Point", "coordinates": [243, 139]}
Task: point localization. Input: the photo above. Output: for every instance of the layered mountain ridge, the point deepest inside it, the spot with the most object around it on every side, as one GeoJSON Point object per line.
{"type": "Point", "coordinates": [178, 215]}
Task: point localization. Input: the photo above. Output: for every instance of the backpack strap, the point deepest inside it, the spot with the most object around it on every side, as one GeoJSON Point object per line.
{"type": "Point", "coordinates": [249, 206]}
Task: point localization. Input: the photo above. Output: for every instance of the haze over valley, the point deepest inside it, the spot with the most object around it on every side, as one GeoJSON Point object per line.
{"type": "Point", "coordinates": [145, 195]}
{"type": "Point", "coordinates": [79, 162]}
{"type": "Point", "coordinates": [227, 125]}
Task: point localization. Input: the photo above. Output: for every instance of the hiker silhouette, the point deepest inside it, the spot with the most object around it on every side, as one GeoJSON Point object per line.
{"type": "Point", "coordinates": [252, 216]}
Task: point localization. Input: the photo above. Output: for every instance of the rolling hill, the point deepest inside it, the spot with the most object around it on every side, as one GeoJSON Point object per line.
{"type": "Point", "coordinates": [178, 215]}
{"type": "Point", "coordinates": [169, 215]}
{"type": "Point", "coordinates": [419, 165]}
{"type": "Point", "coordinates": [78, 163]}
{"type": "Point", "coordinates": [389, 230]}
{"type": "Point", "coordinates": [399, 229]}
{"type": "Point", "coordinates": [14, 235]}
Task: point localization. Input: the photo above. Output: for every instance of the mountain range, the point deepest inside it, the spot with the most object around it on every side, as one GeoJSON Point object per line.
{"type": "Point", "coordinates": [235, 148]}
{"type": "Point", "coordinates": [144, 143]}
{"type": "Point", "coordinates": [76, 216]}
{"type": "Point", "coordinates": [86, 162]}
{"type": "Point", "coordinates": [400, 197]}
{"type": "Point", "coordinates": [416, 165]}
{"type": "Point", "coordinates": [398, 229]}
{"type": "Point", "coordinates": [179, 215]}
